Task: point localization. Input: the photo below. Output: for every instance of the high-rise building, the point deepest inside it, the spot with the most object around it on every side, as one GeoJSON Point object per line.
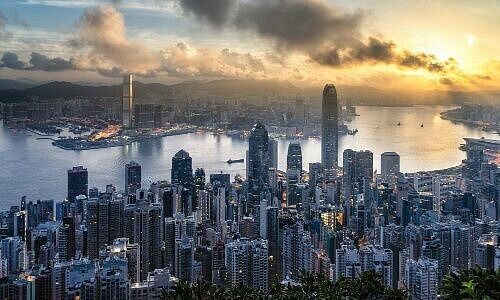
{"type": "Point", "coordinates": [273, 153]}
{"type": "Point", "coordinates": [78, 182]}
{"type": "Point", "coordinates": [247, 263]}
{"type": "Point", "coordinates": [258, 163]}
{"type": "Point", "coordinates": [184, 259]}
{"type": "Point", "coordinates": [421, 278]}
{"type": "Point", "coordinates": [144, 227]}
{"type": "Point", "coordinates": [329, 127]}
{"type": "Point", "coordinates": [127, 102]}
{"type": "Point", "coordinates": [66, 239]}
{"type": "Point", "coordinates": [351, 262]}
{"type": "Point", "coordinates": [182, 169]}
{"type": "Point", "coordinates": [294, 157]}
{"type": "Point", "coordinates": [390, 164]}
{"type": "Point", "coordinates": [132, 177]}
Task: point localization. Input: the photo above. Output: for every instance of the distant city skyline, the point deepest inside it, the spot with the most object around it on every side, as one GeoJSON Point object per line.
{"type": "Point", "coordinates": [422, 45]}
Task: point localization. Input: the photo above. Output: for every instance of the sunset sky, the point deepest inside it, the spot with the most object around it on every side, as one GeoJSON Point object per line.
{"type": "Point", "coordinates": [399, 44]}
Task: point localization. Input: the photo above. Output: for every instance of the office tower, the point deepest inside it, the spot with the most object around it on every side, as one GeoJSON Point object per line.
{"type": "Point", "coordinates": [78, 182]}
{"type": "Point", "coordinates": [273, 153]}
{"type": "Point", "coordinates": [421, 278]}
{"type": "Point", "coordinates": [329, 127]}
{"type": "Point", "coordinates": [127, 102]}
{"type": "Point", "coordinates": [293, 193]}
{"type": "Point", "coordinates": [390, 164]}
{"type": "Point", "coordinates": [115, 224]}
{"type": "Point", "coordinates": [66, 239]}
{"type": "Point", "coordinates": [182, 169]}
{"type": "Point", "coordinates": [184, 258]}
{"type": "Point", "coordinates": [294, 157]}
{"type": "Point", "coordinates": [246, 262]}
{"type": "Point", "coordinates": [258, 161]}
{"type": "Point", "coordinates": [132, 177]}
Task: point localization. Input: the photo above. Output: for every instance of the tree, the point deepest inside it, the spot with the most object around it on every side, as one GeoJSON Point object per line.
{"type": "Point", "coordinates": [475, 283]}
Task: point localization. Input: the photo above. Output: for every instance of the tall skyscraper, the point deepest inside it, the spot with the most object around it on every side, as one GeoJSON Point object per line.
{"type": "Point", "coordinates": [389, 163]}
{"type": "Point", "coordinates": [329, 127]}
{"type": "Point", "coordinates": [78, 182]}
{"type": "Point", "coordinates": [182, 169]}
{"type": "Point", "coordinates": [66, 239]}
{"type": "Point", "coordinates": [258, 163]}
{"type": "Point", "coordinates": [127, 102]}
{"type": "Point", "coordinates": [132, 177]}
{"type": "Point", "coordinates": [294, 157]}
{"type": "Point", "coordinates": [273, 153]}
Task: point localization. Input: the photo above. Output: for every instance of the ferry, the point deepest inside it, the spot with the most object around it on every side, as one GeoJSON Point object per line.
{"type": "Point", "coordinates": [232, 161]}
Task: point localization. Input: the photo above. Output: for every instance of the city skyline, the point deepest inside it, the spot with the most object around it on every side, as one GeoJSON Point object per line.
{"type": "Point", "coordinates": [249, 149]}
{"type": "Point", "coordinates": [410, 46]}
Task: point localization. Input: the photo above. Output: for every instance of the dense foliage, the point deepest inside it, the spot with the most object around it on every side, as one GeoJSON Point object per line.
{"type": "Point", "coordinates": [472, 284]}
{"type": "Point", "coordinates": [311, 286]}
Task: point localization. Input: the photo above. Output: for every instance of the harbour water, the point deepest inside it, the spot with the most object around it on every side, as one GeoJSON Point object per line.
{"type": "Point", "coordinates": [37, 169]}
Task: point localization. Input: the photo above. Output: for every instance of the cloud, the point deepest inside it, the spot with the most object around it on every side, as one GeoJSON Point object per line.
{"type": "Point", "coordinates": [44, 63]}
{"type": "Point", "coordinates": [314, 27]}
{"type": "Point", "coordinates": [38, 62]}
{"type": "Point", "coordinates": [11, 60]}
{"type": "Point", "coordinates": [184, 60]}
{"type": "Point", "coordinates": [101, 31]}
{"type": "Point", "coordinates": [215, 12]}
{"type": "Point", "coordinates": [446, 81]}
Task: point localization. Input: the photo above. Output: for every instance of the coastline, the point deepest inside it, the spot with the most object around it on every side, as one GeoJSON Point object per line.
{"type": "Point", "coordinates": [77, 145]}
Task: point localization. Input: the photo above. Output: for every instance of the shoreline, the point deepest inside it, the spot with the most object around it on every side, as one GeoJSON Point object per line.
{"type": "Point", "coordinates": [77, 146]}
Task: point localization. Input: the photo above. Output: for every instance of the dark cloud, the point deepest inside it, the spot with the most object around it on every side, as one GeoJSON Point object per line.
{"type": "Point", "coordinates": [38, 62]}
{"type": "Point", "coordinates": [11, 60]}
{"type": "Point", "coordinates": [42, 62]}
{"type": "Point", "coordinates": [297, 23]}
{"type": "Point", "coordinates": [215, 12]}
{"type": "Point", "coordinates": [328, 36]}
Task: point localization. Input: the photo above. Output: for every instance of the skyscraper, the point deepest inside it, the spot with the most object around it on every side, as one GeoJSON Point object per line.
{"type": "Point", "coordinates": [132, 177]}
{"type": "Point", "coordinates": [182, 169]}
{"type": "Point", "coordinates": [329, 127]}
{"type": "Point", "coordinates": [389, 163]}
{"type": "Point", "coordinates": [273, 153]}
{"type": "Point", "coordinates": [294, 157]}
{"type": "Point", "coordinates": [258, 163]}
{"type": "Point", "coordinates": [127, 102]}
{"type": "Point", "coordinates": [78, 182]}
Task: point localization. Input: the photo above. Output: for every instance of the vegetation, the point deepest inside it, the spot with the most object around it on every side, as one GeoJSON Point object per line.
{"type": "Point", "coordinates": [310, 286]}
{"type": "Point", "coordinates": [472, 284]}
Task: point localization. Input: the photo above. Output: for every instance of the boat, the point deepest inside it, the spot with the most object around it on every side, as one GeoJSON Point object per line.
{"type": "Point", "coordinates": [232, 161]}
{"type": "Point", "coordinates": [421, 125]}
{"type": "Point", "coordinates": [399, 123]}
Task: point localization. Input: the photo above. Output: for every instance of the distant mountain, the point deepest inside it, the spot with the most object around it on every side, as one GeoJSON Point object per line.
{"type": "Point", "coordinates": [8, 84]}
{"type": "Point", "coordinates": [16, 91]}
{"type": "Point", "coordinates": [60, 89]}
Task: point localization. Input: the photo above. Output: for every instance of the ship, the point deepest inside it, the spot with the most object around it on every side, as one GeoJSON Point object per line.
{"type": "Point", "coordinates": [232, 161]}
{"type": "Point", "coordinates": [421, 125]}
{"type": "Point", "coordinates": [399, 123]}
